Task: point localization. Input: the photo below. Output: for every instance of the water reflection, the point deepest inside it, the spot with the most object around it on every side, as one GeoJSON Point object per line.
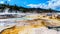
{"type": "Point", "coordinates": [6, 23]}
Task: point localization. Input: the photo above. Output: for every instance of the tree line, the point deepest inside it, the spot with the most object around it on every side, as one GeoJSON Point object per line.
{"type": "Point", "coordinates": [23, 9]}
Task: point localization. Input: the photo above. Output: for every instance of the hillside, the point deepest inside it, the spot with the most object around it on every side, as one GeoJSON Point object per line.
{"type": "Point", "coordinates": [23, 9]}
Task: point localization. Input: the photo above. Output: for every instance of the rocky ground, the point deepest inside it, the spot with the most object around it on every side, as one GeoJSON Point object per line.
{"type": "Point", "coordinates": [36, 24]}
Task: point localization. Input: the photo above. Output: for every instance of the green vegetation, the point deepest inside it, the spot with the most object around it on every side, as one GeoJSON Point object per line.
{"type": "Point", "coordinates": [23, 9]}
